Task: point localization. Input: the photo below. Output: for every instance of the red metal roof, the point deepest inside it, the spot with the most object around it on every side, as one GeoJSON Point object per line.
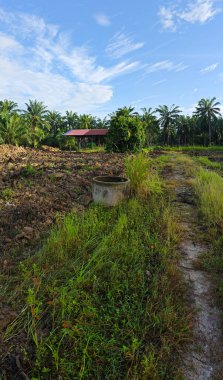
{"type": "Point", "coordinates": [86, 132]}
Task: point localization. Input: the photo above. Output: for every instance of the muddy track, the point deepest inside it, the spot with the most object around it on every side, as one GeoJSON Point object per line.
{"type": "Point", "coordinates": [203, 357]}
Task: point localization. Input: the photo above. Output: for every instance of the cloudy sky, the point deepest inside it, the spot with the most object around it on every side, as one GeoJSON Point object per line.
{"type": "Point", "coordinates": [96, 56]}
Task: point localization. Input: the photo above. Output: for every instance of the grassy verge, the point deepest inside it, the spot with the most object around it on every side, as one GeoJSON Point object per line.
{"type": "Point", "coordinates": [208, 187]}
{"type": "Point", "coordinates": [205, 161]}
{"type": "Point", "coordinates": [102, 298]}
{"type": "Point", "coordinates": [194, 148]}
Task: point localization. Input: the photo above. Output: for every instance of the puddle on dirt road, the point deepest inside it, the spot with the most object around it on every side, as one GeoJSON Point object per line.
{"type": "Point", "coordinates": [203, 358]}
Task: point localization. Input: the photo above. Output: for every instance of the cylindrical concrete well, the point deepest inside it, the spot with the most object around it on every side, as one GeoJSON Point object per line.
{"type": "Point", "coordinates": [110, 190]}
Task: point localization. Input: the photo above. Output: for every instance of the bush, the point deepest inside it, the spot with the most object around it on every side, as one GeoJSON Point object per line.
{"type": "Point", "coordinates": [126, 132]}
{"type": "Point", "coordinates": [67, 143]}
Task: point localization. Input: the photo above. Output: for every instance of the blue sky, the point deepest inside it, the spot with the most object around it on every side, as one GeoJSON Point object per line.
{"type": "Point", "coordinates": [96, 56]}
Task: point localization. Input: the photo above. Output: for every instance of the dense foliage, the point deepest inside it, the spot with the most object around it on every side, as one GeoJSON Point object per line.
{"type": "Point", "coordinates": [128, 129]}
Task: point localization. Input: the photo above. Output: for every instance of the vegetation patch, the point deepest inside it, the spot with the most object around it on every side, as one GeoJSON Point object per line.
{"type": "Point", "coordinates": [30, 171]}
{"type": "Point", "coordinates": [102, 297]}
{"type": "Point", "coordinates": [208, 163]}
{"type": "Point", "coordinates": [7, 193]}
{"type": "Point", "coordinates": [144, 178]}
{"type": "Point", "coordinates": [208, 187]}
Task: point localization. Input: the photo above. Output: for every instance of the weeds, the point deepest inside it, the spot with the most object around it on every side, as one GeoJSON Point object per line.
{"type": "Point", "coordinates": [7, 193]}
{"type": "Point", "coordinates": [208, 163]}
{"type": "Point", "coordinates": [102, 300]}
{"type": "Point", "coordinates": [209, 190]}
{"type": "Point", "coordinates": [208, 187]}
{"type": "Point", "coordinates": [194, 148]}
{"type": "Point", "coordinates": [30, 171]}
{"type": "Point", "coordinates": [143, 176]}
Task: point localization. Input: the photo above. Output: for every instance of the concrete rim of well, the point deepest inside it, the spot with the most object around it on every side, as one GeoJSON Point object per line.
{"type": "Point", "coordinates": [111, 180]}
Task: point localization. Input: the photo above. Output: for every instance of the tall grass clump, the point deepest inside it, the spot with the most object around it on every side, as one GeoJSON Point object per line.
{"type": "Point", "coordinates": [208, 187]}
{"type": "Point", "coordinates": [144, 178]}
{"type": "Point", "coordinates": [102, 298]}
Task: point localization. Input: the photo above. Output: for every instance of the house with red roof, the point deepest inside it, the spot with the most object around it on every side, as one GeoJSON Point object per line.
{"type": "Point", "coordinates": [86, 136]}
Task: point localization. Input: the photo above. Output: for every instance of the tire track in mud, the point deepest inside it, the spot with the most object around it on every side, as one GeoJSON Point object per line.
{"type": "Point", "coordinates": [203, 357]}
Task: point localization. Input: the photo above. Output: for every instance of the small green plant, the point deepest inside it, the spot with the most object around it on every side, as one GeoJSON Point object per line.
{"type": "Point", "coordinates": [52, 178]}
{"type": "Point", "coordinates": [7, 193]}
{"type": "Point", "coordinates": [29, 170]}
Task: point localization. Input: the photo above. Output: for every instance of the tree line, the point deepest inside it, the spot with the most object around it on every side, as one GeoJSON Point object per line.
{"type": "Point", "coordinates": [128, 129]}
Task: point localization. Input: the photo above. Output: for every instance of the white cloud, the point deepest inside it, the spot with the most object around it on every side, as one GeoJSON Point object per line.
{"type": "Point", "coordinates": [9, 44]}
{"type": "Point", "coordinates": [200, 11]}
{"type": "Point", "coordinates": [122, 44]}
{"type": "Point", "coordinates": [27, 25]}
{"type": "Point", "coordinates": [210, 68]}
{"type": "Point", "coordinates": [166, 65]}
{"type": "Point", "coordinates": [189, 110]}
{"type": "Point", "coordinates": [102, 19]}
{"type": "Point", "coordinates": [197, 11]}
{"type": "Point", "coordinates": [42, 63]}
{"type": "Point", "coordinates": [167, 18]}
{"type": "Point", "coordinates": [53, 89]}
{"type": "Point", "coordinates": [159, 82]}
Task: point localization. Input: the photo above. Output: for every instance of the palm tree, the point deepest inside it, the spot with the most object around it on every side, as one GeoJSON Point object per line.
{"type": "Point", "coordinates": [8, 107]}
{"type": "Point", "coordinates": [125, 111]}
{"type": "Point", "coordinates": [168, 120]}
{"type": "Point", "coordinates": [55, 122]}
{"type": "Point", "coordinates": [13, 130]}
{"type": "Point", "coordinates": [35, 116]}
{"type": "Point", "coordinates": [151, 125]}
{"type": "Point", "coordinates": [71, 120]}
{"type": "Point", "coordinates": [207, 111]}
{"type": "Point", "coordinates": [85, 121]}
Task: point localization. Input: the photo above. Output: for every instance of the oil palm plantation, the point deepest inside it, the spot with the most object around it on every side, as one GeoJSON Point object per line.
{"type": "Point", "coordinates": [13, 130]}
{"type": "Point", "coordinates": [35, 116]}
{"type": "Point", "coordinates": [151, 125]}
{"type": "Point", "coordinates": [55, 123]}
{"type": "Point", "coordinates": [8, 107]}
{"type": "Point", "coordinates": [86, 121]}
{"type": "Point", "coordinates": [207, 111]}
{"type": "Point", "coordinates": [168, 118]}
{"type": "Point", "coordinates": [71, 120]}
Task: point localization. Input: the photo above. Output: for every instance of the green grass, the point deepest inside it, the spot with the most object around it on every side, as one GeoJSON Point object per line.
{"type": "Point", "coordinates": [143, 175]}
{"type": "Point", "coordinates": [102, 299]}
{"type": "Point", "coordinates": [208, 187]}
{"type": "Point", "coordinates": [96, 149]}
{"type": "Point", "coordinates": [205, 161]}
{"type": "Point", "coordinates": [194, 148]}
